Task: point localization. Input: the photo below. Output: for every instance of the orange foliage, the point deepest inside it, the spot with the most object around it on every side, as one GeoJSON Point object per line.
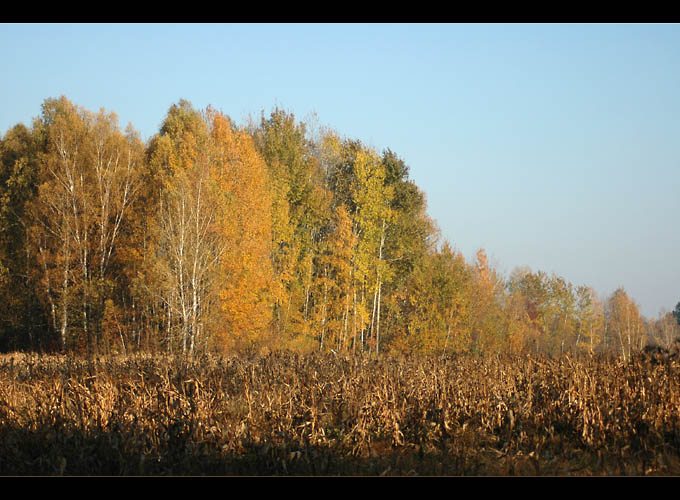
{"type": "Point", "coordinates": [245, 270]}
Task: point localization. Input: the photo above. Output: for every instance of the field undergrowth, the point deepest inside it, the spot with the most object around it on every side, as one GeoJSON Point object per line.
{"type": "Point", "coordinates": [314, 414]}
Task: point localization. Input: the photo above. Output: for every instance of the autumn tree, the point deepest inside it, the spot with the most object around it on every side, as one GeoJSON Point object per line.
{"type": "Point", "coordinates": [590, 319]}
{"type": "Point", "coordinates": [519, 327]}
{"type": "Point", "coordinates": [438, 305]}
{"type": "Point", "coordinates": [561, 315]}
{"type": "Point", "coordinates": [22, 324]}
{"type": "Point", "coordinates": [336, 272]}
{"type": "Point", "coordinates": [487, 331]}
{"type": "Point", "coordinates": [372, 197]}
{"type": "Point", "coordinates": [87, 179]}
{"type": "Point", "coordinates": [624, 323]}
{"type": "Point", "coordinates": [665, 330]}
{"type": "Point", "coordinates": [552, 309]}
{"type": "Point", "coordinates": [300, 216]}
{"type": "Point", "coordinates": [213, 231]}
{"type": "Point", "coordinates": [187, 248]}
{"type": "Point", "coordinates": [411, 238]}
{"type": "Point", "coordinates": [245, 272]}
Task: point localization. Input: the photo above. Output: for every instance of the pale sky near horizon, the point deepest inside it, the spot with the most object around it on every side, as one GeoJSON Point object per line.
{"type": "Point", "coordinates": [552, 146]}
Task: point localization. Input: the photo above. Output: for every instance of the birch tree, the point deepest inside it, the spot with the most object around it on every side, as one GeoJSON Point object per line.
{"type": "Point", "coordinates": [373, 215]}
{"type": "Point", "coordinates": [188, 246]}
{"type": "Point", "coordinates": [87, 180]}
{"type": "Point", "coordinates": [624, 323]}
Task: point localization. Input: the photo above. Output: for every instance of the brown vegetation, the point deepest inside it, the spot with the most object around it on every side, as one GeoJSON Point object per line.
{"type": "Point", "coordinates": [320, 414]}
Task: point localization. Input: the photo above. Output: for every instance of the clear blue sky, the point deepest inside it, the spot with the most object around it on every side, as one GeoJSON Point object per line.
{"type": "Point", "coordinates": [551, 146]}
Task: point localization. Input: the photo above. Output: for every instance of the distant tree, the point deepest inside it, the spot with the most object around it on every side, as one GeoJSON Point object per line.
{"type": "Point", "coordinates": [590, 319]}
{"type": "Point", "coordinates": [519, 329]}
{"type": "Point", "coordinates": [665, 330]}
{"type": "Point", "coordinates": [533, 291]}
{"type": "Point", "coordinates": [487, 316]}
{"type": "Point", "coordinates": [438, 305]}
{"type": "Point", "coordinates": [563, 317]}
{"type": "Point", "coordinates": [676, 312]}
{"type": "Point", "coordinates": [624, 322]}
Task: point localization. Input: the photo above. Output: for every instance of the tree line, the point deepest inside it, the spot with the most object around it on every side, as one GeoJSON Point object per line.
{"type": "Point", "coordinates": [217, 237]}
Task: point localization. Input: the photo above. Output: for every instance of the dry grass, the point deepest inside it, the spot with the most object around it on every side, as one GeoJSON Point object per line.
{"type": "Point", "coordinates": [288, 414]}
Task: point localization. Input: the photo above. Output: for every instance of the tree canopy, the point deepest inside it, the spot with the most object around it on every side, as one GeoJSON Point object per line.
{"type": "Point", "coordinates": [213, 236]}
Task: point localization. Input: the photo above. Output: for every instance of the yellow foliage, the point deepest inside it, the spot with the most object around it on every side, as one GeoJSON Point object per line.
{"type": "Point", "coordinates": [245, 270]}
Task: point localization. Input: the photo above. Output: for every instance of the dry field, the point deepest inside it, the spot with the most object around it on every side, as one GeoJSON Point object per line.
{"type": "Point", "coordinates": [290, 414]}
